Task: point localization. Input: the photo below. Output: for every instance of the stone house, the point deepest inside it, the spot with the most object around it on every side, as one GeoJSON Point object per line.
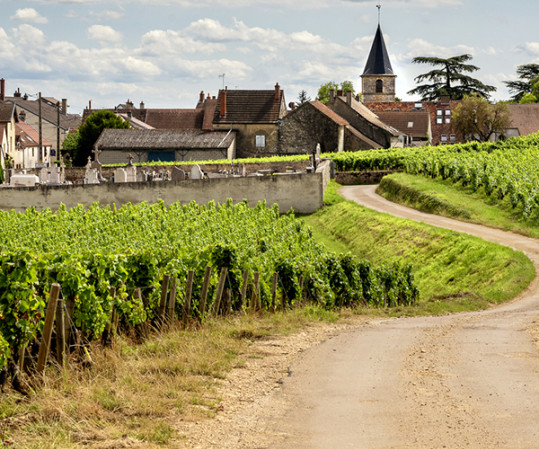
{"type": "Point", "coordinates": [439, 111]}
{"type": "Point", "coordinates": [8, 122]}
{"type": "Point", "coordinates": [166, 145]}
{"type": "Point", "coordinates": [28, 154]}
{"type": "Point", "coordinates": [255, 116]}
{"type": "Point", "coordinates": [313, 123]}
{"type": "Point", "coordinates": [364, 121]}
{"type": "Point", "coordinates": [56, 122]}
{"type": "Point", "coordinates": [524, 119]}
{"type": "Point", "coordinates": [415, 125]}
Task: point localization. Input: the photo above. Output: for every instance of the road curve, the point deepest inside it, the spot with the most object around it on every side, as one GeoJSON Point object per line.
{"type": "Point", "coordinates": [468, 380]}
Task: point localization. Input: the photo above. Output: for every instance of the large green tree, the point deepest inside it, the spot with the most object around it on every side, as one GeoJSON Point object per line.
{"type": "Point", "coordinates": [448, 78]}
{"type": "Point", "coordinates": [476, 119]}
{"type": "Point", "coordinates": [323, 91]}
{"type": "Point", "coordinates": [528, 74]}
{"type": "Point", "coordinates": [89, 132]}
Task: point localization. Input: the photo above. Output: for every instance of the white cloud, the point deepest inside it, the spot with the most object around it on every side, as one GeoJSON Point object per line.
{"type": "Point", "coordinates": [420, 47]}
{"type": "Point", "coordinates": [29, 15]}
{"type": "Point", "coordinates": [28, 35]}
{"type": "Point", "coordinates": [161, 43]}
{"type": "Point", "coordinates": [532, 48]}
{"type": "Point", "coordinates": [104, 34]}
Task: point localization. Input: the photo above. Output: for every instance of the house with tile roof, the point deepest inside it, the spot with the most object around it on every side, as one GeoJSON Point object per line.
{"type": "Point", "coordinates": [415, 125]}
{"type": "Point", "coordinates": [365, 122]}
{"type": "Point", "coordinates": [524, 119]}
{"type": "Point", "coordinates": [8, 121]}
{"type": "Point", "coordinates": [255, 116]}
{"type": "Point", "coordinates": [56, 122]}
{"type": "Point", "coordinates": [28, 149]}
{"type": "Point", "coordinates": [165, 145]}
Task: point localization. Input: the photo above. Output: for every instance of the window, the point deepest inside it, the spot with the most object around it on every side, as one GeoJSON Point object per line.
{"type": "Point", "coordinates": [260, 141]}
{"type": "Point", "coordinates": [452, 138]}
{"type": "Point", "coordinates": [439, 117]}
{"type": "Point", "coordinates": [447, 116]}
{"type": "Point", "coordinates": [444, 138]}
{"type": "Point", "coordinates": [379, 86]}
{"type": "Point", "coordinates": [410, 124]}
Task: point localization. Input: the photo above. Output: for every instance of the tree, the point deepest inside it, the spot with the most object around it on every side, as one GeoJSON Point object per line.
{"type": "Point", "coordinates": [528, 74]}
{"type": "Point", "coordinates": [476, 119]}
{"type": "Point", "coordinates": [303, 98]}
{"type": "Point", "coordinates": [449, 79]}
{"type": "Point", "coordinates": [89, 132]}
{"type": "Point", "coordinates": [323, 91]}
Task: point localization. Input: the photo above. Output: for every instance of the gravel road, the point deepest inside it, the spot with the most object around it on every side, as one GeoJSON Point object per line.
{"type": "Point", "coordinates": [468, 380]}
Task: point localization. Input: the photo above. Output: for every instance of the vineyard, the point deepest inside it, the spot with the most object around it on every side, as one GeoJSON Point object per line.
{"type": "Point", "coordinates": [504, 170]}
{"type": "Point", "coordinates": [128, 269]}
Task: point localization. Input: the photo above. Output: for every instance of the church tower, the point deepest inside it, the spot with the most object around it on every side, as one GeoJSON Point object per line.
{"type": "Point", "coordinates": [378, 79]}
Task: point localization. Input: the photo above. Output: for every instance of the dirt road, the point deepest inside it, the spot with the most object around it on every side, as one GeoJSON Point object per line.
{"type": "Point", "coordinates": [462, 381]}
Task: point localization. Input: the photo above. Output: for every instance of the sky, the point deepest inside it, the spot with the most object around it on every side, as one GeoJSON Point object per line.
{"type": "Point", "coordinates": [165, 52]}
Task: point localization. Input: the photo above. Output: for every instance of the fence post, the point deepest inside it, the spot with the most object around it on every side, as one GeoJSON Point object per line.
{"type": "Point", "coordinates": [172, 300]}
{"type": "Point", "coordinates": [47, 330]}
{"type": "Point", "coordinates": [204, 295]}
{"type": "Point", "coordinates": [220, 289]}
{"type": "Point", "coordinates": [164, 293]}
{"type": "Point", "coordinates": [301, 282]}
{"type": "Point", "coordinates": [188, 293]}
{"type": "Point", "coordinates": [243, 292]}
{"type": "Point", "coordinates": [253, 306]}
{"type": "Point", "coordinates": [274, 291]}
{"type": "Point", "coordinates": [60, 333]}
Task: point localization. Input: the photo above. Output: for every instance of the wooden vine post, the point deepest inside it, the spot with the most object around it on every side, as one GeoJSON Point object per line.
{"type": "Point", "coordinates": [47, 329]}
{"type": "Point", "coordinates": [60, 333]}
{"type": "Point", "coordinates": [255, 296]}
{"type": "Point", "coordinates": [204, 295]}
{"type": "Point", "coordinates": [274, 291]}
{"type": "Point", "coordinates": [164, 293]}
{"type": "Point", "coordinates": [220, 290]}
{"type": "Point", "coordinates": [188, 293]}
{"type": "Point", "coordinates": [243, 292]}
{"type": "Point", "coordinates": [172, 300]}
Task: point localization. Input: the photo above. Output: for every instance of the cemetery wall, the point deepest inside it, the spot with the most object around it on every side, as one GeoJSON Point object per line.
{"type": "Point", "coordinates": [301, 192]}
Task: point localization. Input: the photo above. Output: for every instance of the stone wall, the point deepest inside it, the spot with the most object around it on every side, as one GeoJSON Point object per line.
{"type": "Point", "coordinates": [246, 138]}
{"type": "Point", "coordinates": [353, 178]}
{"type": "Point", "coordinates": [301, 192]}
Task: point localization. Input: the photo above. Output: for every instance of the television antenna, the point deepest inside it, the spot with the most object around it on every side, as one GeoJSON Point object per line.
{"type": "Point", "coordinates": [223, 76]}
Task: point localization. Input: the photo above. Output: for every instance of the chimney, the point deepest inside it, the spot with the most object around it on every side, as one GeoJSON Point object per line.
{"type": "Point", "coordinates": [129, 114]}
{"type": "Point", "coordinates": [17, 93]}
{"type": "Point", "coordinates": [277, 93]}
{"type": "Point", "coordinates": [64, 105]}
{"type": "Point", "coordinates": [90, 105]}
{"type": "Point", "coordinates": [22, 116]}
{"type": "Point", "coordinates": [2, 89]}
{"type": "Point", "coordinates": [331, 95]}
{"type": "Point", "coordinates": [201, 98]}
{"type": "Point", "coordinates": [142, 105]}
{"type": "Point", "coordinates": [349, 97]}
{"type": "Point", "coordinates": [222, 103]}
{"type": "Point", "coordinates": [339, 93]}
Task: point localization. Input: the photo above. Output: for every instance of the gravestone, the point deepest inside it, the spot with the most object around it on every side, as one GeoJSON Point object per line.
{"type": "Point", "coordinates": [196, 172]}
{"type": "Point", "coordinates": [50, 175]}
{"type": "Point", "coordinates": [91, 176]}
{"type": "Point", "coordinates": [120, 175]}
{"type": "Point", "coordinates": [177, 174]}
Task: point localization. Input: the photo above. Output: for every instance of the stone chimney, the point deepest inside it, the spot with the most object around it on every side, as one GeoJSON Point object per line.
{"type": "Point", "coordinates": [22, 116]}
{"type": "Point", "coordinates": [2, 89]}
{"type": "Point", "coordinates": [349, 97]}
{"type": "Point", "coordinates": [222, 103]}
{"type": "Point", "coordinates": [331, 95]}
{"type": "Point", "coordinates": [142, 105]}
{"type": "Point", "coordinates": [64, 105]}
{"type": "Point", "coordinates": [339, 93]}
{"type": "Point", "coordinates": [201, 98]}
{"type": "Point", "coordinates": [129, 114]}
{"type": "Point", "coordinates": [17, 93]}
{"type": "Point", "coordinates": [277, 93]}
{"type": "Point", "coordinates": [90, 105]}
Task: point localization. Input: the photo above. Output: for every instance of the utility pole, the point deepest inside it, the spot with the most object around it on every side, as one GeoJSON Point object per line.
{"type": "Point", "coordinates": [40, 131]}
{"type": "Point", "coordinates": [58, 131]}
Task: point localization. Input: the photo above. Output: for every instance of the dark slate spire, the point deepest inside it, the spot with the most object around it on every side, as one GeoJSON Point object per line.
{"type": "Point", "coordinates": [378, 62]}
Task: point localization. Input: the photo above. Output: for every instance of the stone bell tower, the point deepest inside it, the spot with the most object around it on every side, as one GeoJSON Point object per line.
{"type": "Point", "coordinates": [378, 79]}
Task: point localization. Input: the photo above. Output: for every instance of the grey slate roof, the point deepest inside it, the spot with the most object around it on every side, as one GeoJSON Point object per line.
{"type": "Point", "coordinates": [48, 112]}
{"type": "Point", "coordinates": [6, 112]}
{"type": "Point", "coordinates": [163, 139]}
{"type": "Point", "coordinates": [378, 61]}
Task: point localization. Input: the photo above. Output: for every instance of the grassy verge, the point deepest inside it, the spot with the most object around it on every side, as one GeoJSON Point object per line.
{"type": "Point", "coordinates": [454, 272]}
{"type": "Point", "coordinates": [445, 198]}
{"type": "Point", "coordinates": [135, 395]}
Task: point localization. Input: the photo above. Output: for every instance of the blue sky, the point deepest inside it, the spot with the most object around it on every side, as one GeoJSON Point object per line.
{"type": "Point", "coordinates": [164, 52]}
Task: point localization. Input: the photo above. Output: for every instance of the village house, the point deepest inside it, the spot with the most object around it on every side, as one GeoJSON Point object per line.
{"type": "Point", "coordinates": [524, 120]}
{"type": "Point", "coordinates": [255, 116]}
{"type": "Point", "coordinates": [28, 149]}
{"type": "Point", "coordinates": [56, 123]}
{"type": "Point", "coordinates": [8, 121]}
{"type": "Point", "coordinates": [115, 146]}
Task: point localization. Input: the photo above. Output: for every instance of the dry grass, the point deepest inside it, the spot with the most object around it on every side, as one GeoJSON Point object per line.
{"type": "Point", "coordinates": [134, 396]}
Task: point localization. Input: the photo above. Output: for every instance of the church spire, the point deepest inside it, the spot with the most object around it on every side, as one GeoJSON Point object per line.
{"type": "Point", "coordinates": [378, 62]}
{"type": "Point", "coordinates": [379, 6]}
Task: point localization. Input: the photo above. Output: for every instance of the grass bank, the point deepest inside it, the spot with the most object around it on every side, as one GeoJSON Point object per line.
{"type": "Point", "coordinates": [135, 395]}
{"type": "Point", "coordinates": [454, 272]}
{"type": "Point", "coordinates": [445, 198]}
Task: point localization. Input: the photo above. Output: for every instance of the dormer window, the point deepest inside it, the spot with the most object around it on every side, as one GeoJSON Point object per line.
{"type": "Point", "coordinates": [379, 86]}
